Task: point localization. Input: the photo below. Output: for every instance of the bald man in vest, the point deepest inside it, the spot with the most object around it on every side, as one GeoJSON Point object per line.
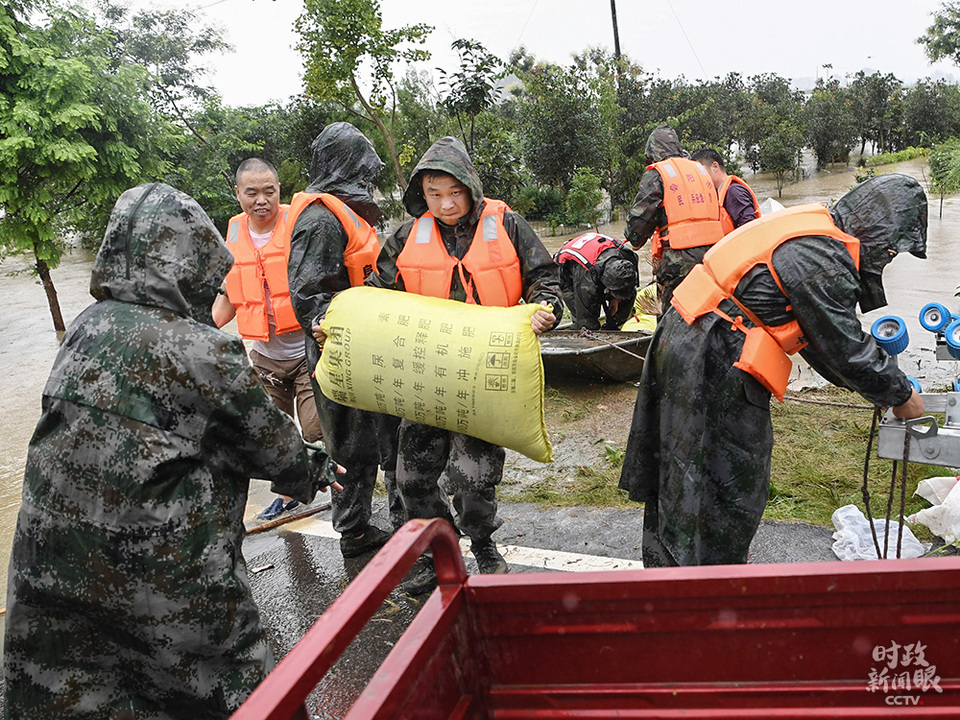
{"type": "Point", "coordinates": [257, 294]}
{"type": "Point", "coordinates": [677, 204]}
{"type": "Point", "coordinates": [738, 204]}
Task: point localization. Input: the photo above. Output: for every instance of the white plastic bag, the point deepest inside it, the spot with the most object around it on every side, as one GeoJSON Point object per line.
{"type": "Point", "coordinates": [853, 539]}
{"type": "Point", "coordinates": [942, 519]}
{"type": "Point", "coordinates": [935, 490]}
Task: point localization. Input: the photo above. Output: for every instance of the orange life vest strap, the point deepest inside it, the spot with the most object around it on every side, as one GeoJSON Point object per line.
{"type": "Point", "coordinates": [491, 261]}
{"type": "Point", "coordinates": [363, 248]}
{"type": "Point", "coordinates": [727, 262]}
{"type": "Point", "coordinates": [726, 222]}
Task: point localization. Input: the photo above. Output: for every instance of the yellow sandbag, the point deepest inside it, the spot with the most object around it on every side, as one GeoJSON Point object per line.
{"type": "Point", "coordinates": [470, 369]}
{"type": "Point", "coordinates": [641, 320]}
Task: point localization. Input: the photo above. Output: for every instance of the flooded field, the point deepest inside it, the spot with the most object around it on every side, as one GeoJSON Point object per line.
{"type": "Point", "coordinates": [31, 343]}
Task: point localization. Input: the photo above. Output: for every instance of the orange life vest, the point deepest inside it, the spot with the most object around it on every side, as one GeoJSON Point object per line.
{"type": "Point", "coordinates": [690, 201]}
{"type": "Point", "coordinates": [726, 222]}
{"type": "Point", "coordinates": [765, 351]}
{"type": "Point", "coordinates": [491, 261]}
{"type": "Point", "coordinates": [585, 249]}
{"type": "Point", "coordinates": [363, 248]}
{"type": "Point", "coordinates": [252, 268]}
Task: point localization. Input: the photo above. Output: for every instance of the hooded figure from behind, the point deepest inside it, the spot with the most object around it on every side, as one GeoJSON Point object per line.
{"type": "Point", "coordinates": [334, 246]}
{"type": "Point", "coordinates": [128, 592]}
{"type": "Point", "coordinates": [699, 449]}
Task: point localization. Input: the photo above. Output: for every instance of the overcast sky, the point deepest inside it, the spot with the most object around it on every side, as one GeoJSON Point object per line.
{"type": "Point", "coordinates": [699, 39]}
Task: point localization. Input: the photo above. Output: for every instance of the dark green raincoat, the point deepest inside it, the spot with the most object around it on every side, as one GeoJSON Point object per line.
{"type": "Point", "coordinates": [699, 449]}
{"type": "Point", "coordinates": [434, 461]}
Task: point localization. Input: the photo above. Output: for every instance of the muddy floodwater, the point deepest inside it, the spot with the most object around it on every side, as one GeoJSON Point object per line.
{"type": "Point", "coordinates": [30, 342]}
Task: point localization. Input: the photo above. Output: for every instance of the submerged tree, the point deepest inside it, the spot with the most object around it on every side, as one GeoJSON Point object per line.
{"type": "Point", "coordinates": [344, 46]}
{"type": "Point", "coordinates": [945, 169]}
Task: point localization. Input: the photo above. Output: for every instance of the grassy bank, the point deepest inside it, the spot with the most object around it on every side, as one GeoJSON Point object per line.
{"type": "Point", "coordinates": [817, 464]}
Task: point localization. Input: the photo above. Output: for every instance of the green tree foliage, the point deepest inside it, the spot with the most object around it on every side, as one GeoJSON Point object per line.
{"type": "Point", "coordinates": [828, 117]}
{"type": "Point", "coordinates": [345, 47]}
{"type": "Point", "coordinates": [945, 168]}
{"type": "Point", "coordinates": [561, 125]}
{"type": "Point", "coordinates": [76, 129]}
{"type": "Point", "coordinates": [770, 106]}
{"type": "Point", "coordinates": [877, 103]}
{"type": "Point", "coordinates": [941, 41]}
{"type": "Point", "coordinates": [779, 150]}
{"type": "Point", "coordinates": [496, 156]}
{"type": "Point", "coordinates": [472, 88]}
{"type": "Point", "coordinates": [931, 112]}
{"type": "Point", "coordinates": [584, 198]}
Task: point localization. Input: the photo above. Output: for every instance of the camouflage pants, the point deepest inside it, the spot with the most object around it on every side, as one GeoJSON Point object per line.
{"type": "Point", "coordinates": [122, 626]}
{"type": "Point", "coordinates": [674, 266]}
{"type": "Point", "coordinates": [434, 463]}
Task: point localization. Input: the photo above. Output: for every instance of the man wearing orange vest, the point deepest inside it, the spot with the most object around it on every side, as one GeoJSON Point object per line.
{"type": "Point", "coordinates": [333, 246]}
{"type": "Point", "coordinates": [462, 246]}
{"type": "Point", "coordinates": [698, 454]}
{"type": "Point", "coordinates": [676, 204]}
{"type": "Point", "coordinates": [738, 204]}
{"type": "Point", "coordinates": [258, 296]}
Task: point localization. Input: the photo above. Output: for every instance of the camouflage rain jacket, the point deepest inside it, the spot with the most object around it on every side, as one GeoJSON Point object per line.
{"type": "Point", "coordinates": [541, 279]}
{"type": "Point", "coordinates": [128, 595]}
{"type": "Point", "coordinates": [698, 453]}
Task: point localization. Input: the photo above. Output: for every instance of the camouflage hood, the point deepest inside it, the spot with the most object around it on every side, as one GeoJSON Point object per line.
{"type": "Point", "coordinates": [888, 214]}
{"type": "Point", "coordinates": [447, 155]}
{"type": "Point", "coordinates": [345, 164]}
{"type": "Point", "coordinates": [161, 249]}
{"type": "Point", "coordinates": [663, 143]}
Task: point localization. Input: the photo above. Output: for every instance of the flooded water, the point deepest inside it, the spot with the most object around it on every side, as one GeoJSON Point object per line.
{"type": "Point", "coordinates": [30, 342]}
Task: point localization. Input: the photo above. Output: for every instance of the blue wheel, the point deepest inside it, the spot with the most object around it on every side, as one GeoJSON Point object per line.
{"type": "Point", "coordinates": [890, 332]}
{"type": "Point", "coordinates": [935, 317]}
{"type": "Point", "coordinates": [952, 336]}
{"type": "Point", "coordinates": [915, 383]}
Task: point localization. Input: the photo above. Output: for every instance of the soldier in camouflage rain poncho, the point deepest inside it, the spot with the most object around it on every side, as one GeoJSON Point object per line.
{"type": "Point", "coordinates": [344, 164]}
{"type": "Point", "coordinates": [128, 596]}
{"type": "Point", "coordinates": [699, 449]}
{"type": "Point", "coordinates": [468, 467]}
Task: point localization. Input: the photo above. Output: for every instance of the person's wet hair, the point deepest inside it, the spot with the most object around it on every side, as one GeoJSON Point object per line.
{"type": "Point", "coordinates": [255, 165]}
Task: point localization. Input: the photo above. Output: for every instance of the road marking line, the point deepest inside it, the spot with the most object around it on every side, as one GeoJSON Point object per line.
{"type": "Point", "coordinates": [514, 554]}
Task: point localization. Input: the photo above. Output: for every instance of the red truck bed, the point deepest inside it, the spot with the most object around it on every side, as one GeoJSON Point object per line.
{"type": "Point", "coordinates": [825, 640]}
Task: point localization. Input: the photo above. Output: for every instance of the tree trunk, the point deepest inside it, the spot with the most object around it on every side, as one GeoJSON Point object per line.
{"type": "Point", "coordinates": [378, 121]}
{"type": "Point", "coordinates": [43, 270]}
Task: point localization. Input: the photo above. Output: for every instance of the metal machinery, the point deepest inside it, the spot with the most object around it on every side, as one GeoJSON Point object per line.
{"type": "Point", "coordinates": [927, 440]}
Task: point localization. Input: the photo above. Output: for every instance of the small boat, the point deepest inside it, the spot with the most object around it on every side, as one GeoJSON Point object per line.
{"type": "Point", "coordinates": [594, 354]}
